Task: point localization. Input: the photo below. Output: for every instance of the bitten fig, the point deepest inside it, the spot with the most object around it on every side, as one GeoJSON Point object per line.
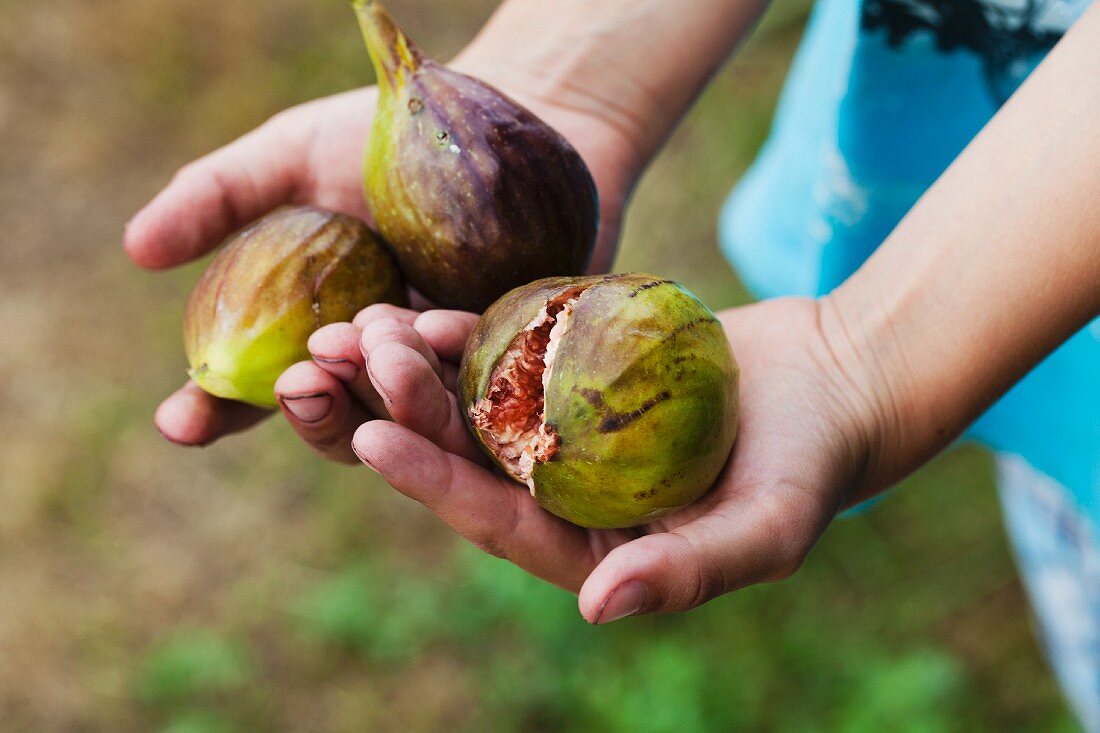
{"type": "Point", "coordinates": [614, 399]}
{"type": "Point", "coordinates": [274, 283]}
{"type": "Point", "coordinates": [474, 194]}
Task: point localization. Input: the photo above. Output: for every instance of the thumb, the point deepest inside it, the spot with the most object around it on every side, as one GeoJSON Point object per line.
{"type": "Point", "coordinates": [747, 539]}
{"type": "Point", "coordinates": [214, 196]}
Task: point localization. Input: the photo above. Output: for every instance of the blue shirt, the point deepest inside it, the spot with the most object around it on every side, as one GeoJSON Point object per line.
{"type": "Point", "coordinates": [883, 95]}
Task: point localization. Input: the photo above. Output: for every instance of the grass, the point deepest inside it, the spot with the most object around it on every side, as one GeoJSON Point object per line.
{"type": "Point", "coordinates": [250, 587]}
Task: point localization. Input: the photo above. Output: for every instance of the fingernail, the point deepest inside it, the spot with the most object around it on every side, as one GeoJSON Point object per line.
{"type": "Point", "coordinates": [378, 387]}
{"type": "Point", "coordinates": [626, 600]}
{"type": "Point", "coordinates": [363, 458]}
{"type": "Point", "coordinates": [342, 369]}
{"type": "Point", "coordinates": [308, 408]}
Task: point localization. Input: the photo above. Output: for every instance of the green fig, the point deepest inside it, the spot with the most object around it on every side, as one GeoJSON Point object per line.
{"type": "Point", "coordinates": [474, 194]}
{"type": "Point", "coordinates": [613, 399]}
{"type": "Point", "coordinates": [272, 285]}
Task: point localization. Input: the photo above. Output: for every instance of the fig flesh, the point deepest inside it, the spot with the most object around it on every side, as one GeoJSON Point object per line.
{"type": "Point", "coordinates": [274, 283]}
{"type": "Point", "coordinates": [613, 399]}
{"type": "Point", "coordinates": [474, 193]}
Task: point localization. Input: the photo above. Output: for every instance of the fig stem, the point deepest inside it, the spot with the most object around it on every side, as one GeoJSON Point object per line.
{"type": "Point", "coordinates": [391, 51]}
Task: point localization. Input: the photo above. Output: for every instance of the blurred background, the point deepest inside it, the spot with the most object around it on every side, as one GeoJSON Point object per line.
{"type": "Point", "coordinates": [249, 587]}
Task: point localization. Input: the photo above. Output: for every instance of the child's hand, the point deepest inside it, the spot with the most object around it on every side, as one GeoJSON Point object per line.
{"type": "Point", "coordinates": [804, 445]}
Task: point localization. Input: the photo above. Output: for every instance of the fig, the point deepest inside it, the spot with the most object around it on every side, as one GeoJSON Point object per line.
{"type": "Point", "coordinates": [274, 283]}
{"type": "Point", "coordinates": [474, 193]}
{"type": "Point", "coordinates": [613, 399]}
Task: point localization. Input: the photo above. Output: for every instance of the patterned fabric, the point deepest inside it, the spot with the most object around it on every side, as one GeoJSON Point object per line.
{"type": "Point", "coordinates": [882, 96]}
{"type": "Point", "coordinates": [1058, 553]}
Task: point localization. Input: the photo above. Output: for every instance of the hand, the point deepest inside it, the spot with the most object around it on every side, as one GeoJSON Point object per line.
{"type": "Point", "coordinates": [312, 154]}
{"type": "Point", "coordinates": [805, 444]}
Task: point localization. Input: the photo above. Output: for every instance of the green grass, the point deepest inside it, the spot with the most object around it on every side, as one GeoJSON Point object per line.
{"type": "Point", "coordinates": [249, 587]}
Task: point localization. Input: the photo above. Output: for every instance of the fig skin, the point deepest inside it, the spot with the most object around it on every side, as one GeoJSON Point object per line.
{"type": "Point", "coordinates": [474, 193]}
{"type": "Point", "coordinates": [273, 284]}
{"type": "Point", "coordinates": [642, 393]}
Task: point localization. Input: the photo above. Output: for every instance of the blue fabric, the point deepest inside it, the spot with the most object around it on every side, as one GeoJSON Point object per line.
{"type": "Point", "coordinates": [1058, 553]}
{"type": "Point", "coordinates": [883, 95]}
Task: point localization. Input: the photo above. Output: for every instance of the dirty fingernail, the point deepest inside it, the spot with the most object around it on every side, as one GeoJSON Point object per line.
{"type": "Point", "coordinates": [626, 600]}
{"type": "Point", "coordinates": [381, 390]}
{"type": "Point", "coordinates": [309, 408]}
{"type": "Point", "coordinates": [342, 369]}
{"type": "Point", "coordinates": [359, 454]}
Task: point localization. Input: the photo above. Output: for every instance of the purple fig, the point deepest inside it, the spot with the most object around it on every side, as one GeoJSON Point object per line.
{"type": "Point", "coordinates": [474, 193]}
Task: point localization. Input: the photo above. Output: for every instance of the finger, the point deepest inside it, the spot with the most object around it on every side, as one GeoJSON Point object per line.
{"type": "Point", "coordinates": [497, 515]}
{"type": "Point", "coordinates": [335, 348]}
{"type": "Point", "coordinates": [387, 331]}
{"type": "Point", "coordinates": [320, 410]}
{"type": "Point", "coordinates": [756, 537]}
{"type": "Point", "coordinates": [446, 332]}
{"type": "Point", "coordinates": [216, 195]}
{"type": "Point", "coordinates": [414, 338]}
{"type": "Point", "coordinates": [417, 399]}
{"type": "Point", "coordinates": [384, 311]}
{"type": "Point", "coordinates": [191, 417]}
{"type": "Point", "coordinates": [450, 377]}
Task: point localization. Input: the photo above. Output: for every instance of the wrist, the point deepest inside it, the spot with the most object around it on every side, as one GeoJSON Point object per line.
{"type": "Point", "coordinates": [923, 384]}
{"type": "Point", "coordinates": [860, 347]}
